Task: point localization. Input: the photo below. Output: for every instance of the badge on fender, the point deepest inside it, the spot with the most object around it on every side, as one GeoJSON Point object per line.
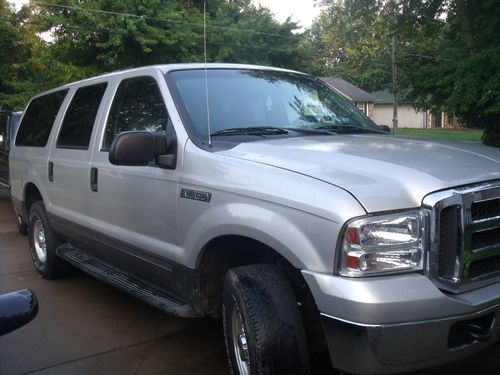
{"type": "Point", "coordinates": [196, 195]}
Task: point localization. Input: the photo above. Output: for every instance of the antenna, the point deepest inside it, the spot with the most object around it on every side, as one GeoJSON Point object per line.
{"type": "Point", "coordinates": [206, 71]}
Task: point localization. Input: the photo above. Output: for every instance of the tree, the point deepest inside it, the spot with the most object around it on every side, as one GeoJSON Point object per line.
{"type": "Point", "coordinates": [460, 73]}
{"type": "Point", "coordinates": [353, 40]}
{"type": "Point", "coordinates": [93, 37]}
{"type": "Point", "coordinates": [12, 50]}
{"type": "Point", "coordinates": [118, 34]}
{"type": "Point", "coordinates": [448, 53]}
{"type": "Point", "coordinates": [244, 33]}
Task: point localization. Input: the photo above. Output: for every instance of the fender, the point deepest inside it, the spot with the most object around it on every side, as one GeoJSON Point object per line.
{"type": "Point", "coordinates": [281, 228]}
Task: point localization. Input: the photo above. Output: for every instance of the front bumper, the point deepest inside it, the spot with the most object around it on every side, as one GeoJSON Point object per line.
{"type": "Point", "coordinates": [402, 323]}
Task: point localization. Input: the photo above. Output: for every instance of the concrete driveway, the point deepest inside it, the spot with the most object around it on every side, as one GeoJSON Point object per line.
{"type": "Point", "coordinates": [86, 327]}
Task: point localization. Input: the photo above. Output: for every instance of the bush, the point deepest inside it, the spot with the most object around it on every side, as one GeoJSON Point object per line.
{"type": "Point", "coordinates": [491, 135]}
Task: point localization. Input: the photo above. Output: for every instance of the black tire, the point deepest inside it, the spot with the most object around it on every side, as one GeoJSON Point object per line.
{"type": "Point", "coordinates": [271, 320]}
{"type": "Point", "coordinates": [52, 267]}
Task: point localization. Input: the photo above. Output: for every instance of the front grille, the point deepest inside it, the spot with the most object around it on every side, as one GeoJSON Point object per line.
{"type": "Point", "coordinates": [485, 238]}
{"type": "Point", "coordinates": [450, 240]}
{"type": "Point", "coordinates": [465, 237]}
{"type": "Point", "coordinates": [484, 266]}
{"type": "Point", "coordinates": [486, 209]}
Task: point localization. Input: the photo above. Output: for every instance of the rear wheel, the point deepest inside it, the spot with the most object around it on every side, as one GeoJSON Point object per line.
{"type": "Point", "coordinates": [262, 324]}
{"type": "Point", "coordinates": [43, 244]}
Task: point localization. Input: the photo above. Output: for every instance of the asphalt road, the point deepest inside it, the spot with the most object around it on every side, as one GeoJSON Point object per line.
{"type": "Point", "coordinates": [87, 327]}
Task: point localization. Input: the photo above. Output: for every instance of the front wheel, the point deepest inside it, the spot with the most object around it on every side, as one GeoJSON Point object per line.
{"type": "Point", "coordinates": [263, 328]}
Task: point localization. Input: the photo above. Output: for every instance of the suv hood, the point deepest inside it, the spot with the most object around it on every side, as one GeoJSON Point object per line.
{"type": "Point", "coordinates": [381, 171]}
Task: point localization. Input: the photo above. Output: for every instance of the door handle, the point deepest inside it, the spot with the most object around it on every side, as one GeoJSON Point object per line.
{"type": "Point", "coordinates": [93, 179]}
{"type": "Point", "coordinates": [51, 171]}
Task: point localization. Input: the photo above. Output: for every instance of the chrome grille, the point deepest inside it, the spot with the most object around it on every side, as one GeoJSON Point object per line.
{"type": "Point", "coordinates": [464, 237]}
{"type": "Point", "coordinates": [486, 209]}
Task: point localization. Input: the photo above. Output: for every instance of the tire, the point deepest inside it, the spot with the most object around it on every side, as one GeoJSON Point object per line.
{"type": "Point", "coordinates": [47, 263]}
{"type": "Point", "coordinates": [259, 299]}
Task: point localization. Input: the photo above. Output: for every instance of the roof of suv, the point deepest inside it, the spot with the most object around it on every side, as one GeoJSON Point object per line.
{"type": "Point", "coordinates": [165, 68]}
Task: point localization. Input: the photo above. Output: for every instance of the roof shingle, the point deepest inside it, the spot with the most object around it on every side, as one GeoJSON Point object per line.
{"type": "Point", "coordinates": [347, 89]}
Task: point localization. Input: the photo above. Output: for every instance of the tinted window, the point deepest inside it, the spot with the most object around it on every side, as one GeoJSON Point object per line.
{"type": "Point", "coordinates": [79, 120]}
{"type": "Point", "coordinates": [261, 98]}
{"type": "Point", "coordinates": [37, 123]}
{"type": "Point", "coordinates": [138, 105]}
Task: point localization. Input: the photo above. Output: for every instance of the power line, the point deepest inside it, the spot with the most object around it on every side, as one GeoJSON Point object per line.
{"type": "Point", "coordinates": [429, 57]}
{"type": "Point", "coordinates": [196, 42]}
{"type": "Point", "coordinates": [192, 42]}
{"type": "Point", "coordinates": [132, 15]}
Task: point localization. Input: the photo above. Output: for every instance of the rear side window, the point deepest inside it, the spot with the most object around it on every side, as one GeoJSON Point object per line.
{"type": "Point", "coordinates": [138, 105]}
{"type": "Point", "coordinates": [78, 122]}
{"type": "Point", "coordinates": [38, 120]}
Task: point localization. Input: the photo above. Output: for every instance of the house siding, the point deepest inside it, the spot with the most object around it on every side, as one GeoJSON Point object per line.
{"type": "Point", "coordinates": [407, 116]}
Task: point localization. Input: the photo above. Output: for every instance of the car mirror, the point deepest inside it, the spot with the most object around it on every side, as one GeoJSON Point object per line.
{"type": "Point", "coordinates": [384, 128]}
{"type": "Point", "coordinates": [16, 310]}
{"type": "Point", "coordinates": [139, 148]}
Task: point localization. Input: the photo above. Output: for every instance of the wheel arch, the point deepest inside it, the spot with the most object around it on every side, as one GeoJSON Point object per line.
{"type": "Point", "coordinates": [228, 251]}
{"type": "Point", "coordinates": [31, 194]}
{"type": "Point", "coordinates": [219, 255]}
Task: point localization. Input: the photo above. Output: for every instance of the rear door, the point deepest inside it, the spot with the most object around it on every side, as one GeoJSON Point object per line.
{"type": "Point", "coordinates": [134, 207]}
{"type": "Point", "coordinates": [69, 161]}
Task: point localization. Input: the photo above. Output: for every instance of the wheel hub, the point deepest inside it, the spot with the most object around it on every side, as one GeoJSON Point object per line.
{"type": "Point", "coordinates": [39, 241]}
{"type": "Point", "coordinates": [240, 343]}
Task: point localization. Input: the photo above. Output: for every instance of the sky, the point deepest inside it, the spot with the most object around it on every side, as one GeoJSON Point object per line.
{"type": "Point", "coordinates": [302, 11]}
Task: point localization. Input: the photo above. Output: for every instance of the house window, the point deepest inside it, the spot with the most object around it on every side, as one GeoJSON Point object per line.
{"type": "Point", "coordinates": [362, 106]}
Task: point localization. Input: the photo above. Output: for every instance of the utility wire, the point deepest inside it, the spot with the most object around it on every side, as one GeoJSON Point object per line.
{"type": "Point", "coordinates": [192, 42]}
{"type": "Point", "coordinates": [429, 57]}
{"type": "Point", "coordinates": [228, 28]}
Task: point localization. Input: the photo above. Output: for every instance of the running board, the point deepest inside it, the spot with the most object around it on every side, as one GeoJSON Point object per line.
{"type": "Point", "coordinates": [127, 283]}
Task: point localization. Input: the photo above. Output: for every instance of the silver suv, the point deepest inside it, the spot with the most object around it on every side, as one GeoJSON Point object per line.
{"type": "Point", "coordinates": [262, 196]}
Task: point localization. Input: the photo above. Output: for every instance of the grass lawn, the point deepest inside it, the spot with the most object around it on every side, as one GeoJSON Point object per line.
{"type": "Point", "coordinates": [449, 134]}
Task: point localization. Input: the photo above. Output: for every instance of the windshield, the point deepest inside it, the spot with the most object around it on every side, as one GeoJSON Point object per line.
{"type": "Point", "coordinates": [261, 99]}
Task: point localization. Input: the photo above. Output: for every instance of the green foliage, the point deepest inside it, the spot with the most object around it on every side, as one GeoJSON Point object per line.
{"type": "Point", "coordinates": [353, 40]}
{"type": "Point", "coordinates": [448, 53]}
{"type": "Point", "coordinates": [463, 78]}
{"type": "Point", "coordinates": [92, 37]}
{"type": "Point", "coordinates": [13, 49]}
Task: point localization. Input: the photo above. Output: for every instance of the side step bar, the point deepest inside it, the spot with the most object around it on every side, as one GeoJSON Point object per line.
{"type": "Point", "coordinates": [127, 283]}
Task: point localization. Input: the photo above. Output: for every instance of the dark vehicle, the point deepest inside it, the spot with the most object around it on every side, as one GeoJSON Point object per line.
{"type": "Point", "coordinates": [16, 310]}
{"type": "Point", "coordinates": [8, 126]}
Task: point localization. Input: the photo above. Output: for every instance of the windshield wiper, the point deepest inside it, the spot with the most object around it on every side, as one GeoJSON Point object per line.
{"type": "Point", "coordinates": [345, 127]}
{"type": "Point", "coordinates": [251, 130]}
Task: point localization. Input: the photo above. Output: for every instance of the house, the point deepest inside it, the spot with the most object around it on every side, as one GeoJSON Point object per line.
{"type": "Point", "coordinates": [378, 106]}
{"type": "Point", "coordinates": [359, 97]}
{"type": "Point", "coordinates": [408, 117]}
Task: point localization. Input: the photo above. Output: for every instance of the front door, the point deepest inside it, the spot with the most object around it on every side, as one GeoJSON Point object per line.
{"type": "Point", "coordinates": [134, 207]}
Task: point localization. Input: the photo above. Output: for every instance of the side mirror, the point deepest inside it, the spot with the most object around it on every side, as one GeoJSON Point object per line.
{"type": "Point", "coordinates": [16, 310]}
{"type": "Point", "coordinates": [384, 128]}
{"type": "Point", "coordinates": [139, 148]}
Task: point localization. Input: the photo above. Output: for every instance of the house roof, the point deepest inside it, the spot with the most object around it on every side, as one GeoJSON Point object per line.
{"type": "Point", "coordinates": [386, 97]}
{"type": "Point", "coordinates": [383, 96]}
{"type": "Point", "coordinates": [347, 89]}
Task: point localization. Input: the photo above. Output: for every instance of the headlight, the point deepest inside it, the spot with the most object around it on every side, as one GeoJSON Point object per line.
{"type": "Point", "coordinates": [384, 244]}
